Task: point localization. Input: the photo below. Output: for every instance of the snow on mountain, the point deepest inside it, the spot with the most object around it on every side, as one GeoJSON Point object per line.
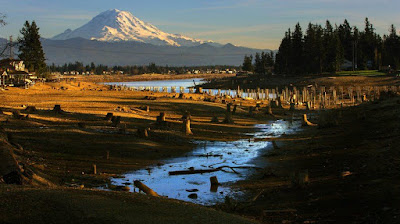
{"type": "Point", "coordinates": [115, 25]}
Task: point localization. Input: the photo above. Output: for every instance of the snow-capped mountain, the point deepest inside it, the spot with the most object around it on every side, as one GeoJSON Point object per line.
{"type": "Point", "coordinates": [116, 25]}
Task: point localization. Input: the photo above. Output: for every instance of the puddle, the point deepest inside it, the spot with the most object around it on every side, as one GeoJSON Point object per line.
{"type": "Point", "coordinates": [209, 155]}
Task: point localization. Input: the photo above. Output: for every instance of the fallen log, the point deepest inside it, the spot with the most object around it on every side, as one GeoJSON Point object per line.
{"type": "Point", "coordinates": [145, 189]}
{"type": "Point", "coordinates": [193, 171]}
{"type": "Point", "coordinates": [305, 121]}
{"type": "Point", "coordinates": [187, 172]}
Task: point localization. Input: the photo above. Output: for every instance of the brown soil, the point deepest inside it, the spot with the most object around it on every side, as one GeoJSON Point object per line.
{"type": "Point", "coordinates": [66, 145]}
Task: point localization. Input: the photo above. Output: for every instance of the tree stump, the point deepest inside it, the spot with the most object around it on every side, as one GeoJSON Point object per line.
{"type": "Point", "coordinates": [214, 184]}
{"type": "Point", "coordinates": [30, 109]}
{"type": "Point", "coordinates": [228, 107]}
{"type": "Point", "coordinates": [234, 109]}
{"type": "Point", "coordinates": [57, 109]}
{"type": "Point", "coordinates": [186, 115]}
{"type": "Point", "coordinates": [161, 118]}
{"type": "Point", "coordinates": [143, 132]}
{"type": "Point", "coordinates": [186, 127]}
{"type": "Point", "coordinates": [109, 116]}
{"type": "Point", "coordinates": [269, 110]}
{"type": "Point", "coordinates": [308, 105]}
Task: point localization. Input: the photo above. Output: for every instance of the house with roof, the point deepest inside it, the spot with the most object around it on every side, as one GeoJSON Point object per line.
{"type": "Point", "coordinates": [14, 73]}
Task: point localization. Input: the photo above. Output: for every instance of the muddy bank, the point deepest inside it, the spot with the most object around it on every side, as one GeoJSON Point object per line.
{"type": "Point", "coordinates": [66, 145]}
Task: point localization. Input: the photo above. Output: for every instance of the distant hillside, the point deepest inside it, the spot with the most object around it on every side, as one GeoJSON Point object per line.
{"type": "Point", "coordinates": [136, 53]}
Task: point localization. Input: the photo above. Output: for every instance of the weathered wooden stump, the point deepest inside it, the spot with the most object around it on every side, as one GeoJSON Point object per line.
{"type": "Point", "coordinates": [109, 116]}
{"type": "Point", "coordinates": [186, 127]}
{"type": "Point", "coordinates": [186, 115]}
{"type": "Point", "coordinates": [57, 109]}
{"type": "Point", "coordinates": [234, 109]}
{"type": "Point", "coordinates": [30, 109]}
{"type": "Point", "coordinates": [143, 132]}
{"type": "Point", "coordinates": [161, 118]}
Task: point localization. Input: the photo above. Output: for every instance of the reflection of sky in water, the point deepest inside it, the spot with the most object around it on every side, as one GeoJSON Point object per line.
{"type": "Point", "coordinates": [236, 153]}
{"type": "Point", "coordinates": [185, 83]}
{"type": "Point", "coordinates": [162, 83]}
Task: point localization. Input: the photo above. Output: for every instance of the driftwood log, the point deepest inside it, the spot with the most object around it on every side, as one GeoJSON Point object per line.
{"type": "Point", "coordinates": [145, 188]}
{"type": "Point", "coordinates": [305, 121]}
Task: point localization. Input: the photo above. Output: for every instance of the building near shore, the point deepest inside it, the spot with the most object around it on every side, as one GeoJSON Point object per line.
{"type": "Point", "coordinates": [14, 73]}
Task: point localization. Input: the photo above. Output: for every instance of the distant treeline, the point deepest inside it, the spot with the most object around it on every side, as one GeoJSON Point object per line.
{"type": "Point", "coordinates": [134, 69]}
{"type": "Point", "coordinates": [326, 49]}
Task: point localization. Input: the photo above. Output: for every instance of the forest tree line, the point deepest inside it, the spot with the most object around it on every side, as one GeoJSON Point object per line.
{"type": "Point", "coordinates": [326, 49]}
{"type": "Point", "coordinates": [133, 69]}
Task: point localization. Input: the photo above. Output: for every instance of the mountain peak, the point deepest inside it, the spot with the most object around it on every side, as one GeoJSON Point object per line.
{"type": "Point", "coordinates": [117, 25]}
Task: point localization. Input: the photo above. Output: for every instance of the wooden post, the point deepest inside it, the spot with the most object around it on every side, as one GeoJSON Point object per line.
{"type": "Point", "coordinates": [94, 169]}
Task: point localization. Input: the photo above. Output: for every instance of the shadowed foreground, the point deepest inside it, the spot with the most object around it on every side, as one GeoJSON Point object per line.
{"type": "Point", "coordinates": [40, 205]}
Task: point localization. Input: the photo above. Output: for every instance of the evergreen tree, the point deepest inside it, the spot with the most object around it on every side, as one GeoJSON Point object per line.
{"type": "Point", "coordinates": [283, 57]}
{"type": "Point", "coordinates": [258, 64]}
{"type": "Point", "coordinates": [30, 48]}
{"type": "Point", "coordinates": [346, 38]}
{"type": "Point", "coordinates": [247, 63]}
{"type": "Point", "coordinates": [297, 50]}
{"type": "Point", "coordinates": [391, 46]}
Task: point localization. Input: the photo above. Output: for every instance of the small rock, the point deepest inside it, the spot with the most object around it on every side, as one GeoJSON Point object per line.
{"type": "Point", "coordinates": [193, 196]}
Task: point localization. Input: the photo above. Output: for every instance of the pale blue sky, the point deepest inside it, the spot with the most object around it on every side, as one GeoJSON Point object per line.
{"type": "Point", "coordinates": [250, 23]}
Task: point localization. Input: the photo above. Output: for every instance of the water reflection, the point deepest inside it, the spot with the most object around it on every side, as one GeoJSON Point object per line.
{"type": "Point", "coordinates": [210, 155]}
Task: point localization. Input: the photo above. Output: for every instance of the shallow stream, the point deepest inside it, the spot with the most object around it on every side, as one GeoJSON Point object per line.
{"type": "Point", "coordinates": [243, 156]}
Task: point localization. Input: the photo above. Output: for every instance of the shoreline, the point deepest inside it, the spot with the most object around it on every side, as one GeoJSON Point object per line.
{"type": "Point", "coordinates": [146, 77]}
